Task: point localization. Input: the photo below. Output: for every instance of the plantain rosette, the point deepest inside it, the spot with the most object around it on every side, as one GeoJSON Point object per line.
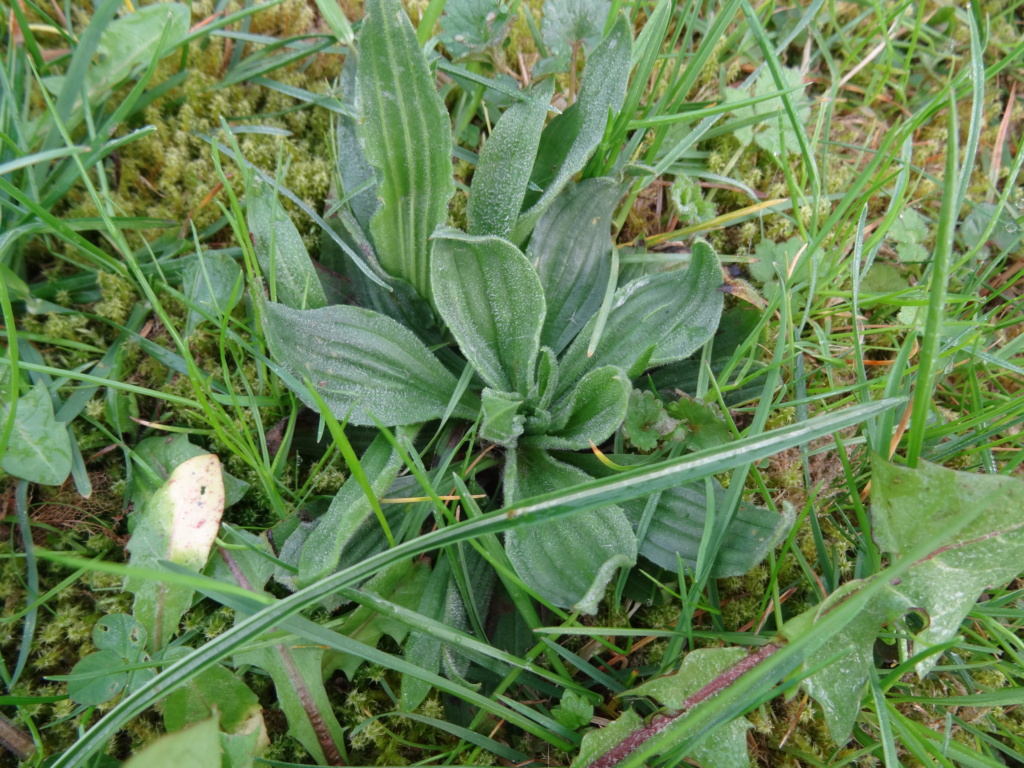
{"type": "Point", "coordinates": [526, 297]}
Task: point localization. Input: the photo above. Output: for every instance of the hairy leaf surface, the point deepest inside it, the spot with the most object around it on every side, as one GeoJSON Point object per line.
{"type": "Point", "coordinates": [407, 138]}
{"type": "Point", "coordinates": [571, 251]}
{"type": "Point", "coordinates": [506, 161]}
{"type": "Point", "coordinates": [491, 299]}
{"type": "Point", "coordinates": [362, 363]}
{"type": "Point", "coordinates": [590, 413]}
{"type": "Point", "coordinates": [282, 255]}
{"type": "Point", "coordinates": [568, 562]}
{"type": "Point", "coordinates": [671, 313]}
{"type": "Point", "coordinates": [571, 138]}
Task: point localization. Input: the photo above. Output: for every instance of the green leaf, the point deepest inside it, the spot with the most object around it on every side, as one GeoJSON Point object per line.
{"type": "Point", "coordinates": [492, 301]}
{"type": "Point", "coordinates": [101, 678]}
{"type": "Point", "coordinates": [590, 413]}
{"type": "Point", "coordinates": [179, 523]}
{"type": "Point", "coordinates": [706, 427]}
{"type": "Point", "coordinates": [727, 747]}
{"type": "Point", "coordinates": [209, 285]}
{"type": "Point", "coordinates": [568, 562]}
{"type": "Point", "coordinates": [402, 584]}
{"type": "Point", "coordinates": [506, 161]}
{"type": "Point", "coordinates": [909, 508]}
{"type": "Point", "coordinates": [502, 421]}
{"type": "Point", "coordinates": [352, 164]}
{"type": "Point", "coordinates": [297, 672]}
{"type": "Point", "coordinates": [162, 455]}
{"type": "Point", "coordinates": [363, 364]}
{"type": "Point", "coordinates": [348, 513]}
{"type": "Point", "coordinates": [571, 138]}
{"type": "Point", "coordinates": [280, 251]}
{"type": "Point", "coordinates": [196, 747]}
{"type": "Point", "coordinates": [689, 202]}
{"type": "Point", "coordinates": [571, 23]}
{"type": "Point", "coordinates": [472, 26]}
{"type": "Point", "coordinates": [571, 251]}
{"type": "Point", "coordinates": [675, 312]}
{"type": "Point", "coordinates": [573, 711]}
{"type": "Point", "coordinates": [423, 649]}
{"type": "Point", "coordinates": [599, 741]}
{"type": "Point", "coordinates": [407, 138]}
{"type": "Point", "coordinates": [128, 44]}
{"type": "Point", "coordinates": [770, 114]}
{"type": "Point", "coordinates": [648, 423]}
{"type": "Point", "coordinates": [677, 526]}
{"type": "Point", "coordinates": [910, 230]}
{"type": "Point", "coordinates": [219, 692]}
{"type": "Point", "coordinates": [39, 449]}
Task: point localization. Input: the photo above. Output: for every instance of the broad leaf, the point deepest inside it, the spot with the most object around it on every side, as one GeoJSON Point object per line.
{"type": "Point", "coordinates": [727, 748]}
{"type": "Point", "coordinates": [571, 138]}
{"type": "Point", "coordinates": [571, 251]}
{"type": "Point", "coordinates": [666, 316]}
{"type": "Point", "coordinates": [492, 301]}
{"type": "Point", "coordinates": [402, 584]}
{"type": "Point", "coordinates": [39, 448]}
{"type": "Point", "coordinates": [348, 512]}
{"type": "Point", "coordinates": [213, 286]}
{"type": "Point", "coordinates": [407, 137]}
{"type": "Point", "coordinates": [197, 747]}
{"type": "Point", "coordinates": [590, 413]}
{"type": "Point", "coordinates": [280, 251]}
{"type": "Point", "coordinates": [569, 23]}
{"type": "Point", "coordinates": [506, 161]}
{"type": "Point", "coordinates": [909, 507]}
{"type": "Point", "coordinates": [364, 365]}
{"type": "Point", "coordinates": [121, 640]}
{"type": "Point", "coordinates": [568, 562]}
{"type": "Point", "coordinates": [179, 523]}
{"type": "Point", "coordinates": [423, 649]}
{"type": "Point", "coordinates": [218, 692]}
{"type": "Point", "coordinates": [161, 455]}
{"type": "Point", "coordinates": [769, 113]}
{"type": "Point", "coordinates": [677, 525]}
{"type": "Point", "coordinates": [472, 26]}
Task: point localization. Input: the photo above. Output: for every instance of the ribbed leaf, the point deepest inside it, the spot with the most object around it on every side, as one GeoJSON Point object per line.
{"type": "Point", "coordinates": [570, 249]}
{"type": "Point", "coordinates": [209, 285]}
{"type": "Point", "coordinates": [503, 172]}
{"type": "Point", "coordinates": [594, 409]}
{"type": "Point", "coordinates": [568, 562]}
{"type": "Point", "coordinates": [571, 138]}
{"type": "Point", "coordinates": [361, 363]}
{"type": "Point", "coordinates": [491, 299]}
{"type": "Point", "coordinates": [668, 314]}
{"type": "Point", "coordinates": [282, 255]}
{"type": "Point", "coordinates": [352, 165]}
{"type": "Point", "coordinates": [347, 513]}
{"type": "Point", "coordinates": [407, 137]}
{"type": "Point", "coordinates": [678, 524]}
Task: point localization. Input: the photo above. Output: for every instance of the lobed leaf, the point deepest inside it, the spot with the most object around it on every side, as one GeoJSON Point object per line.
{"type": "Point", "coordinates": [408, 140]}
{"type": "Point", "coordinates": [910, 507]}
{"type": "Point", "coordinates": [363, 364]}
